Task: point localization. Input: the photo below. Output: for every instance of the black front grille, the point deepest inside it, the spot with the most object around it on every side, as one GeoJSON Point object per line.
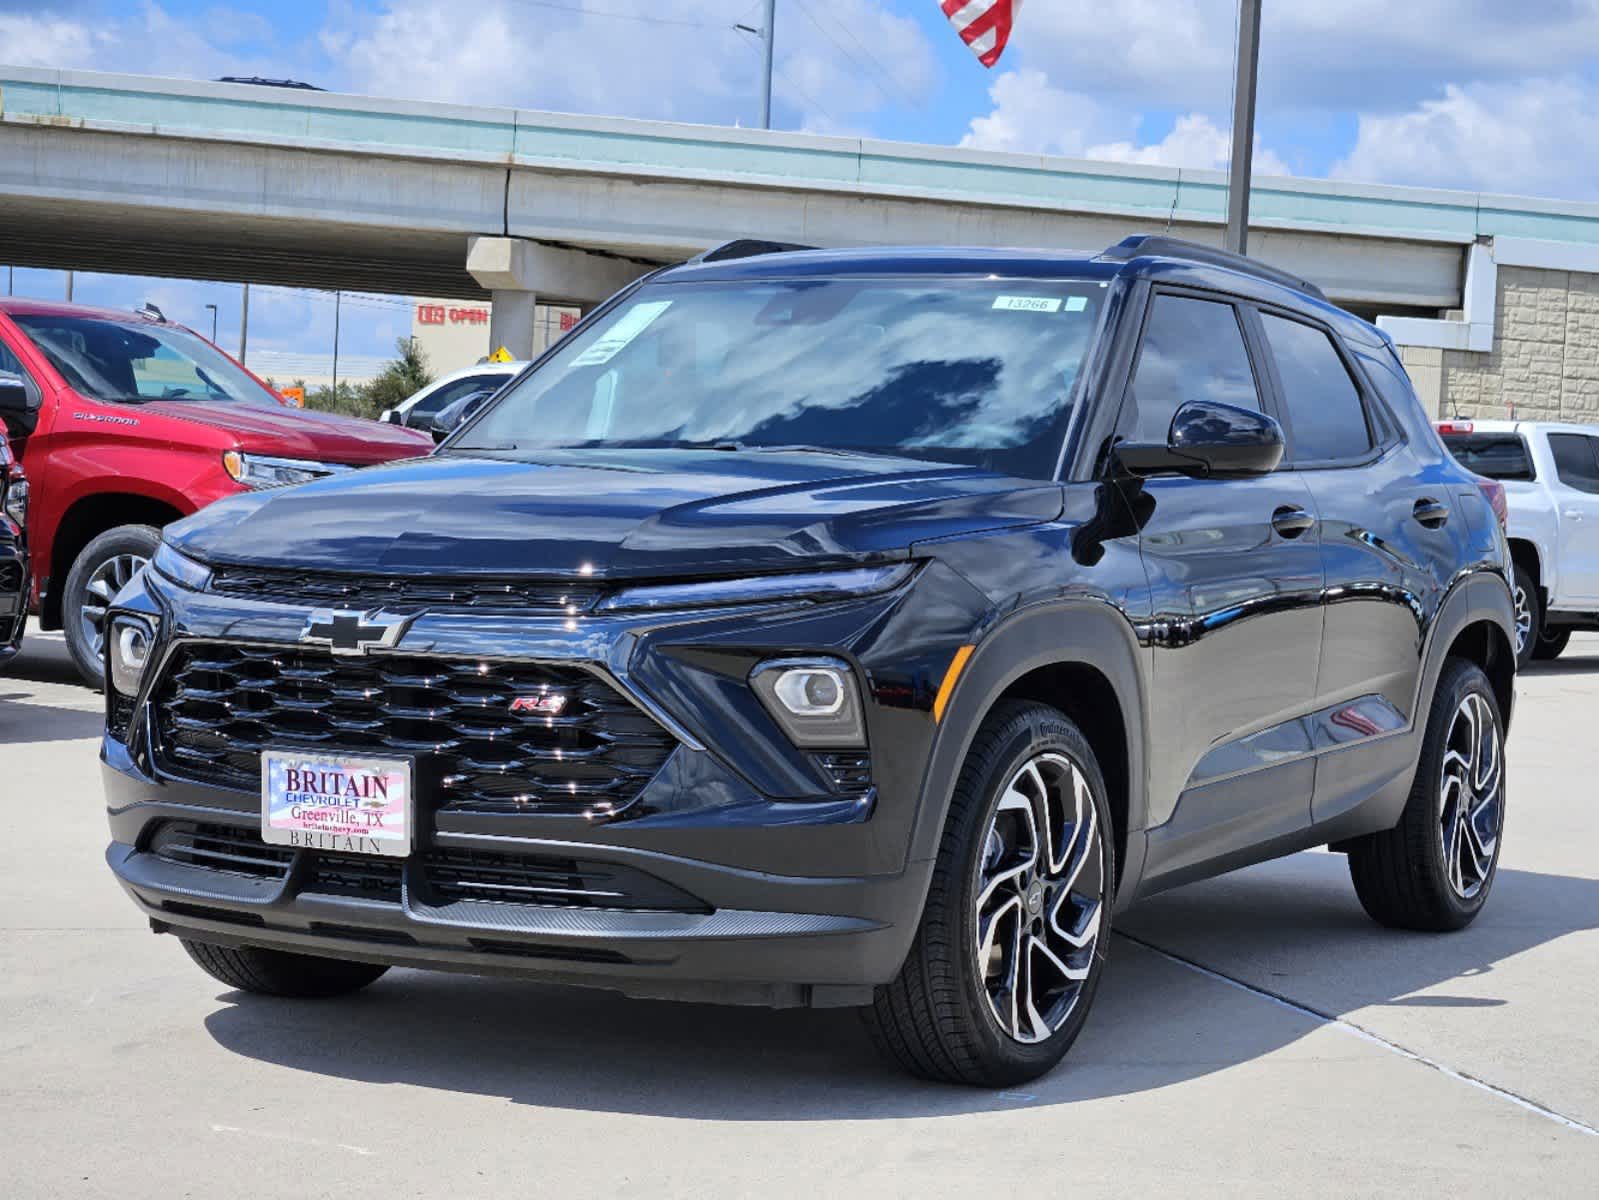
{"type": "Point", "coordinates": [367, 592]}
{"type": "Point", "coordinates": [221, 848]}
{"type": "Point", "coordinates": [446, 876]}
{"type": "Point", "coordinates": [571, 883]}
{"type": "Point", "coordinates": [352, 875]}
{"type": "Point", "coordinates": [217, 707]}
{"type": "Point", "coordinates": [10, 577]}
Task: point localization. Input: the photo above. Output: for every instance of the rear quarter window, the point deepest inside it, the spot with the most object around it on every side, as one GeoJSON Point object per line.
{"type": "Point", "coordinates": [1494, 455]}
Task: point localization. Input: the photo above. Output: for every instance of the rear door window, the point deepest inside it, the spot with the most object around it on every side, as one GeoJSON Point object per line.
{"type": "Point", "coordinates": [1326, 416]}
{"type": "Point", "coordinates": [1495, 455]}
{"type": "Point", "coordinates": [1575, 461]}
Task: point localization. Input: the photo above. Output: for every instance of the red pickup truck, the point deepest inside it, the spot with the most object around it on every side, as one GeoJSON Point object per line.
{"type": "Point", "coordinates": [125, 422]}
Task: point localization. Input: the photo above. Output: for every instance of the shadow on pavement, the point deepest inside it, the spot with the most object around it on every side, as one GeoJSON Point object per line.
{"type": "Point", "coordinates": [42, 660]}
{"type": "Point", "coordinates": [1154, 1023]}
{"type": "Point", "coordinates": [1567, 664]}
{"type": "Point", "coordinates": [22, 722]}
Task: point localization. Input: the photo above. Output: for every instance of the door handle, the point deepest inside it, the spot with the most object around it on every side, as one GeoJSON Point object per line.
{"type": "Point", "coordinates": [1291, 521]}
{"type": "Point", "coordinates": [1430, 513]}
{"type": "Point", "coordinates": [1572, 514]}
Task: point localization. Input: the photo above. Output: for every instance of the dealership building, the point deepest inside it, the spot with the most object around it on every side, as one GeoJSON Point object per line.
{"type": "Point", "coordinates": [509, 223]}
{"type": "Point", "coordinates": [455, 334]}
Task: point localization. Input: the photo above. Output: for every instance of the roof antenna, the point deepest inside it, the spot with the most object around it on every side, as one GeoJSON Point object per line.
{"type": "Point", "coordinates": [152, 312]}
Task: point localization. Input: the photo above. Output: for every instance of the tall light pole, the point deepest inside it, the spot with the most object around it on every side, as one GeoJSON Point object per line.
{"type": "Point", "coordinates": [244, 325]}
{"type": "Point", "coordinates": [213, 309]}
{"type": "Point", "coordinates": [338, 302]}
{"type": "Point", "coordinates": [766, 63]}
{"type": "Point", "coordinates": [1248, 68]}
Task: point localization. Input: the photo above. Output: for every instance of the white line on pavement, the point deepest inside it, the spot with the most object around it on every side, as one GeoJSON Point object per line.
{"type": "Point", "coordinates": [1366, 1035]}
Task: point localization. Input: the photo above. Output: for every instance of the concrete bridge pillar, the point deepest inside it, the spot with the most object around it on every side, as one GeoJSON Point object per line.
{"type": "Point", "coordinates": [519, 272]}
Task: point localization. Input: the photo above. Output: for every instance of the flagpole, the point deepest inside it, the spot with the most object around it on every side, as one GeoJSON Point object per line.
{"type": "Point", "coordinates": [766, 64]}
{"type": "Point", "coordinates": [1248, 67]}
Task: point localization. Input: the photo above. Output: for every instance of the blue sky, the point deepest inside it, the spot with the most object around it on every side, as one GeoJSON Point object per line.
{"type": "Point", "coordinates": [1478, 94]}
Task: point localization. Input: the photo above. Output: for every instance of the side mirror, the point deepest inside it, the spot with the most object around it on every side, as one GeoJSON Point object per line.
{"type": "Point", "coordinates": [392, 416]}
{"type": "Point", "coordinates": [18, 411]}
{"type": "Point", "coordinates": [1209, 440]}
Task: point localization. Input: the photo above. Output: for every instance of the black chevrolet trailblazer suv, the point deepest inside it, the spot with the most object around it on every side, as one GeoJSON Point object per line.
{"type": "Point", "coordinates": [13, 547]}
{"type": "Point", "coordinates": [833, 628]}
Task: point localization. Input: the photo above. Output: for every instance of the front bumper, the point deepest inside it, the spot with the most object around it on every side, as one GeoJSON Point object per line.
{"type": "Point", "coordinates": [13, 600]}
{"type": "Point", "coordinates": [756, 938]}
{"type": "Point", "coordinates": [800, 897]}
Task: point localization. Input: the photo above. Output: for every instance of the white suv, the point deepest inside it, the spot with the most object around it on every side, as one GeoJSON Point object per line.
{"type": "Point", "coordinates": [418, 409]}
{"type": "Point", "coordinates": [1550, 472]}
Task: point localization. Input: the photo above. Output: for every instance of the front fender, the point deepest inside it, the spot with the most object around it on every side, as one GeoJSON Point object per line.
{"type": "Point", "coordinates": [1079, 632]}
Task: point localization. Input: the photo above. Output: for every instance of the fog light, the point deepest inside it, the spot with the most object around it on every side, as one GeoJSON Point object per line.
{"type": "Point", "coordinates": [810, 691]}
{"type": "Point", "coordinates": [815, 700]}
{"type": "Point", "coordinates": [129, 647]}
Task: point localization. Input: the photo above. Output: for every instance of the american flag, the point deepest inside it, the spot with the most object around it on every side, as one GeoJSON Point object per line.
{"type": "Point", "coordinates": [984, 25]}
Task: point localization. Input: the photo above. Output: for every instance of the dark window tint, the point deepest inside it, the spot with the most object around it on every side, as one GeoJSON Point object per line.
{"type": "Point", "coordinates": [449, 393]}
{"type": "Point", "coordinates": [1193, 350]}
{"type": "Point", "coordinates": [1574, 461]}
{"type": "Point", "coordinates": [1496, 455]}
{"type": "Point", "coordinates": [1388, 376]}
{"type": "Point", "coordinates": [10, 364]}
{"type": "Point", "coordinates": [1324, 408]}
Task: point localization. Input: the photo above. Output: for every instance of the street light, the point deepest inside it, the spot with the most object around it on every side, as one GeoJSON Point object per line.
{"type": "Point", "coordinates": [1247, 76]}
{"type": "Point", "coordinates": [213, 309]}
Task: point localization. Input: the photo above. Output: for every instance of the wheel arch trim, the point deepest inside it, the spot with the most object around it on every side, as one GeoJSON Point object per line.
{"type": "Point", "coordinates": [1068, 633]}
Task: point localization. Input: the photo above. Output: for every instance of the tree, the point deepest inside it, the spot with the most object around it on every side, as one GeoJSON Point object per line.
{"type": "Point", "coordinates": [407, 374]}
{"type": "Point", "coordinates": [401, 379]}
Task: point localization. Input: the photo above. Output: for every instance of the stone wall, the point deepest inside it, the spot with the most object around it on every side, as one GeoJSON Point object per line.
{"type": "Point", "coordinates": [1545, 362]}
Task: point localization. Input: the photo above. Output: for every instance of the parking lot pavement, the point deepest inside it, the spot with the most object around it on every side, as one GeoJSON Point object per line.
{"type": "Point", "coordinates": [1255, 1035]}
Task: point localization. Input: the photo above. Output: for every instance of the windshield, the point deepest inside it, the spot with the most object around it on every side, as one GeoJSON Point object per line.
{"type": "Point", "coordinates": [138, 360]}
{"type": "Point", "coordinates": [977, 371]}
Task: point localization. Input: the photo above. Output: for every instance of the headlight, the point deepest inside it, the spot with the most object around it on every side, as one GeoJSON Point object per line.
{"type": "Point", "coordinates": [180, 568]}
{"type": "Point", "coordinates": [16, 502]}
{"type": "Point", "coordinates": [760, 589]}
{"type": "Point", "coordinates": [815, 700]}
{"type": "Point", "coordinates": [129, 647]}
{"type": "Point", "coordinates": [255, 471]}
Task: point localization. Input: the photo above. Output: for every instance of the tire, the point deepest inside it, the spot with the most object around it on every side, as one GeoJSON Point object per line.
{"type": "Point", "coordinates": [1528, 615]}
{"type": "Point", "coordinates": [102, 566]}
{"type": "Point", "coordinates": [1406, 877]}
{"type": "Point", "coordinates": [1550, 645]}
{"type": "Point", "coordinates": [937, 1019]}
{"type": "Point", "coordinates": [279, 973]}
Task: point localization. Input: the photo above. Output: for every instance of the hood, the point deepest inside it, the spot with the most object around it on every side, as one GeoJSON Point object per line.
{"type": "Point", "coordinates": [299, 433]}
{"type": "Point", "coordinates": [612, 514]}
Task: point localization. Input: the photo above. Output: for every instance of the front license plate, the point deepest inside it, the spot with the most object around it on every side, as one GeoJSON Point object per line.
{"type": "Point", "coordinates": [343, 803]}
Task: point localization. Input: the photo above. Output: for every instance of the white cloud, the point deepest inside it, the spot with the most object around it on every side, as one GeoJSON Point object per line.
{"type": "Point", "coordinates": [149, 41]}
{"type": "Point", "coordinates": [1031, 115]}
{"type": "Point", "coordinates": [50, 41]}
{"type": "Point", "coordinates": [1194, 141]}
{"type": "Point", "coordinates": [673, 60]}
{"type": "Point", "coordinates": [1538, 137]}
{"type": "Point", "coordinates": [1178, 54]}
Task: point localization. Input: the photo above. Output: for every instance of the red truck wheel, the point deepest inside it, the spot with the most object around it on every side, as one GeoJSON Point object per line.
{"type": "Point", "coordinates": [98, 574]}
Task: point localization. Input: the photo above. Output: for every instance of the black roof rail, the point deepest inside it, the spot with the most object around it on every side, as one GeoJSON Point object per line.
{"type": "Point", "coordinates": [745, 248]}
{"type": "Point", "coordinates": [1158, 245]}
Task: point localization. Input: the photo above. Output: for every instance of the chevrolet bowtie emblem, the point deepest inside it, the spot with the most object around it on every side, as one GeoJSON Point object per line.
{"type": "Point", "coordinates": [353, 632]}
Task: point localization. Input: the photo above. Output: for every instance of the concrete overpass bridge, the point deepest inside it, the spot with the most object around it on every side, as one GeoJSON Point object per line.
{"type": "Point", "coordinates": [231, 182]}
